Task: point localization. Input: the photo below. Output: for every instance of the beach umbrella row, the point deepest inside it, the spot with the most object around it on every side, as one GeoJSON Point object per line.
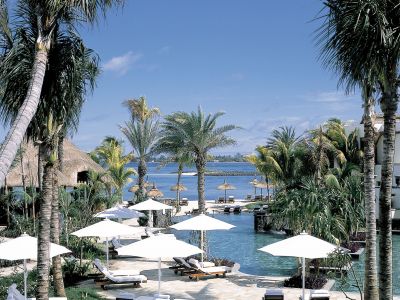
{"type": "Point", "coordinates": [25, 247]}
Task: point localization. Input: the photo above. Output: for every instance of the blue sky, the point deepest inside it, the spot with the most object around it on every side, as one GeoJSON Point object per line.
{"type": "Point", "coordinates": [256, 60]}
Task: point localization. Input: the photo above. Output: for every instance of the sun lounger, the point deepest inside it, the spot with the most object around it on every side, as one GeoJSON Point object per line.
{"type": "Point", "coordinates": [119, 272]}
{"type": "Point", "coordinates": [274, 294]}
{"type": "Point", "coordinates": [14, 294]}
{"type": "Point", "coordinates": [248, 198]}
{"type": "Point", "coordinates": [110, 279]}
{"type": "Point", "coordinates": [231, 199]}
{"type": "Point", "coordinates": [199, 271]}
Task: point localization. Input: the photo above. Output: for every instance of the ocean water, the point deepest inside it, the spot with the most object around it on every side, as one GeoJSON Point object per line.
{"type": "Point", "coordinates": [165, 177]}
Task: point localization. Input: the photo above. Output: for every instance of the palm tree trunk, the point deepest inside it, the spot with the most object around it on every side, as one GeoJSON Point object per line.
{"type": "Point", "coordinates": [201, 166]}
{"type": "Point", "coordinates": [142, 171]}
{"type": "Point", "coordinates": [389, 108]}
{"type": "Point", "coordinates": [43, 256]}
{"type": "Point", "coordinates": [25, 114]}
{"type": "Point", "coordinates": [55, 238]}
{"type": "Point", "coordinates": [178, 183]}
{"type": "Point", "coordinates": [23, 181]}
{"type": "Point", "coordinates": [370, 275]}
{"type": "Point", "coordinates": [60, 151]}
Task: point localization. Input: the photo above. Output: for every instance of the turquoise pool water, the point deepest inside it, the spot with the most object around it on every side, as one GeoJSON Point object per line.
{"type": "Point", "coordinates": [240, 244]}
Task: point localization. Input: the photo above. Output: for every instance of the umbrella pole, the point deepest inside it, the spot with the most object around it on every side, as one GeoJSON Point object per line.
{"type": "Point", "coordinates": [261, 195]}
{"type": "Point", "coordinates": [107, 251]}
{"type": "Point", "coordinates": [159, 275]}
{"type": "Point", "coordinates": [25, 279]}
{"type": "Point", "coordinates": [202, 245]}
{"type": "Point", "coordinates": [304, 275]}
{"type": "Point", "coordinates": [225, 195]}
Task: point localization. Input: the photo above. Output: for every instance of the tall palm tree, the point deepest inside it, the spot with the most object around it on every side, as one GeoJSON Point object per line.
{"type": "Point", "coordinates": [172, 145]}
{"type": "Point", "coordinates": [197, 133]}
{"type": "Point", "coordinates": [140, 110]}
{"type": "Point", "coordinates": [47, 15]}
{"type": "Point", "coordinates": [360, 41]}
{"type": "Point", "coordinates": [143, 138]}
{"type": "Point", "coordinates": [141, 118]}
{"type": "Point", "coordinates": [72, 68]}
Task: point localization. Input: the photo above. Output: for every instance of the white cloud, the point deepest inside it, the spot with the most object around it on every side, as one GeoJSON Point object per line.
{"type": "Point", "coordinates": [122, 64]}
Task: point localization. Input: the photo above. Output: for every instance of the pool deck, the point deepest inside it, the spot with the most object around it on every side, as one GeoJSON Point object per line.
{"type": "Point", "coordinates": [237, 286]}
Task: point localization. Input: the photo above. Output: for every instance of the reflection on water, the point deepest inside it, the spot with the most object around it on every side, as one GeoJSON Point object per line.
{"type": "Point", "coordinates": [240, 244]}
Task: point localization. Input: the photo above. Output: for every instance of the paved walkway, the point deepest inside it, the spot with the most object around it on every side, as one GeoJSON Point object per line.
{"type": "Point", "coordinates": [234, 287]}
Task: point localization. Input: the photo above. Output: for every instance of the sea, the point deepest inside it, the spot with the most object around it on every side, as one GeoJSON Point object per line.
{"type": "Point", "coordinates": [164, 177]}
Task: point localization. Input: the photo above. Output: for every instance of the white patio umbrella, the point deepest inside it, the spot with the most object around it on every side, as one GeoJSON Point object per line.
{"type": "Point", "coordinates": [302, 245]}
{"type": "Point", "coordinates": [23, 248]}
{"type": "Point", "coordinates": [159, 247]}
{"type": "Point", "coordinates": [119, 212]}
{"type": "Point", "coordinates": [150, 205]}
{"type": "Point", "coordinates": [106, 229]}
{"type": "Point", "coordinates": [202, 223]}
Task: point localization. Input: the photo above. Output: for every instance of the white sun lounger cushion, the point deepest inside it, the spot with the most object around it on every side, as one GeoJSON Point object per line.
{"type": "Point", "coordinates": [319, 292]}
{"type": "Point", "coordinates": [121, 279]}
{"type": "Point", "coordinates": [118, 272]}
{"type": "Point", "coordinates": [196, 263]}
{"type": "Point", "coordinates": [204, 264]}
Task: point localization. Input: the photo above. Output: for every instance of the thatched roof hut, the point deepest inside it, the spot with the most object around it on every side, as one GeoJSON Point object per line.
{"type": "Point", "coordinates": [77, 164]}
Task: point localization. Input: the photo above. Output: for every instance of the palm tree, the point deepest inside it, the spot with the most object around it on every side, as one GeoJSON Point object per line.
{"type": "Point", "coordinates": [140, 110]}
{"type": "Point", "coordinates": [197, 133]}
{"type": "Point", "coordinates": [360, 41]}
{"type": "Point", "coordinates": [72, 68]}
{"type": "Point", "coordinates": [281, 158]}
{"type": "Point", "coordinates": [110, 154]}
{"type": "Point", "coordinates": [141, 124]}
{"type": "Point", "coordinates": [173, 146]}
{"type": "Point", "coordinates": [47, 15]}
{"type": "Point", "coordinates": [143, 137]}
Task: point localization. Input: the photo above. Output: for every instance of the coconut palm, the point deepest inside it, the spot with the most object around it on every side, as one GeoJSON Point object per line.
{"type": "Point", "coordinates": [71, 69]}
{"type": "Point", "coordinates": [173, 146]}
{"type": "Point", "coordinates": [143, 138]}
{"type": "Point", "coordinates": [110, 154]}
{"type": "Point", "coordinates": [141, 118]}
{"type": "Point", "coordinates": [360, 41]}
{"type": "Point", "coordinates": [140, 110]}
{"type": "Point", "coordinates": [47, 15]}
{"type": "Point", "coordinates": [197, 133]}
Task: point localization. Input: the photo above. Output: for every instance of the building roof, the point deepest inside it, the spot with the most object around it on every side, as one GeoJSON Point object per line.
{"type": "Point", "coordinates": [75, 161]}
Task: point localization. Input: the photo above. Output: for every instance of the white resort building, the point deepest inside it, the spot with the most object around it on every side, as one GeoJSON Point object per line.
{"type": "Point", "coordinates": [350, 126]}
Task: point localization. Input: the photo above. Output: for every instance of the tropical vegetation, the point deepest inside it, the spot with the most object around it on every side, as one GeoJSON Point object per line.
{"type": "Point", "coordinates": [360, 42]}
{"type": "Point", "coordinates": [195, 134]}
{"type": "Point", "coordinates": [142, 132]}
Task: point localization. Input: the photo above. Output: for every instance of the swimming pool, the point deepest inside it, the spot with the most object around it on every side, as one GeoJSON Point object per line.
{"type": "Point", "coordinates": [240, 244]}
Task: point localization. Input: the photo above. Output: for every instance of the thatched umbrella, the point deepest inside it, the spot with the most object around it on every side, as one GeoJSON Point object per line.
{"type": "Point", "coordinates": [226, 186]}
{"type": "Point", "coordinates": [178, 188]}
{"type": "Point", "coordinates": [263, 185]}
{"type": "Point", "coordinates": [154, 192]}
{"type": "Point", "coordinates": [134, 188]}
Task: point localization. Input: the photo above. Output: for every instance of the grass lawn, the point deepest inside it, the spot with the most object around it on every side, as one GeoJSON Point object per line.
{"type": "Point", "coordinates": [80, 293]}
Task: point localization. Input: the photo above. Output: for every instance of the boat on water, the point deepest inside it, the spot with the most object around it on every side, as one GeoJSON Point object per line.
{"type": "Point", "coordinates": [189, 173]}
